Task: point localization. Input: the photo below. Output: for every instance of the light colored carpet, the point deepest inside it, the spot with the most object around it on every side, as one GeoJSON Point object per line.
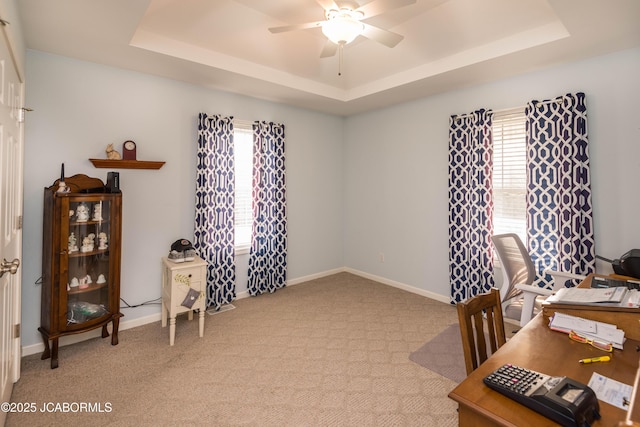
{"type": "Point", "coordinates": [329, 352]}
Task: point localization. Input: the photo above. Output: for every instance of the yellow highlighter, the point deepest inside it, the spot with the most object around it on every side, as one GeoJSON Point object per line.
{"type": "Point", "coordinates": [595, 359]}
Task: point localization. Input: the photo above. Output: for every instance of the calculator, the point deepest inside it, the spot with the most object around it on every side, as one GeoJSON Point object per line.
{"type": "Point", "coordinates": [565, 401]}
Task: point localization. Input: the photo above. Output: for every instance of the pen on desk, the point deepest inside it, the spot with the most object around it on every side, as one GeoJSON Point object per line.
{"type": "Point", "coordinates": [595, 359]}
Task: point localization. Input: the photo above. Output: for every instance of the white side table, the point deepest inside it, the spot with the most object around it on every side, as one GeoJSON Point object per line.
{"type": "Point", "coordinates": [177, 280]}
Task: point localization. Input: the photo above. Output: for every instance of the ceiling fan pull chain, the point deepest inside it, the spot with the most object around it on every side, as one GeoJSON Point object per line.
{"type": "Point", "coordinates": [340, 49]}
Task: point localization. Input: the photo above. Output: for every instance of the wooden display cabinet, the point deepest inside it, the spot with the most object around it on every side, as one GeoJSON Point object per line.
{"type": "Point", "coordinates": [80, 261]}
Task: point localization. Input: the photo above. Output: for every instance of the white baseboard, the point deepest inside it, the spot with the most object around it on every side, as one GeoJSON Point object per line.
{"type": "Point", "coordinates": [128, 324]}
{"type": "Point", "coordinates": [72, 339]}
{"type": "Point", "coordinates": [315, 276]}
{"type": "Point", "coordinates": [303, 279]}
{"type": "Point", "coordinates": [404, 287]}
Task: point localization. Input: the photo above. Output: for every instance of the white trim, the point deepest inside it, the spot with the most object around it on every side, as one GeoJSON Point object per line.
{"type": "Point", "coordinates": [399, 285]}
{"type": "Point", "coordinates": [299, 280]}
{"type": "Point", "coordinates": [243, 294]}
{"type": "Point", "coordinates": [315, 276]}
{"type": "Point", "coordinates": [73, 339]}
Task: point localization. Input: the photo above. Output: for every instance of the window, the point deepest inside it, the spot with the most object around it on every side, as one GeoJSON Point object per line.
{"type": "Point", "coordinates": [243, 152]}
{"type": "Point", "coordinates": [509, 173]}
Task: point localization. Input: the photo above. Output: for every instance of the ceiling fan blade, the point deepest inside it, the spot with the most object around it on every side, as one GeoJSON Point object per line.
{"type": "Point", "coordinates": [329, 49]}
{"type": "Point", "coordinates": [317, 24]}
{"type": "Point", "coordinates": [377, 7]}
{"type": "Point", "coordinates": [384, 37]}
{"type": "Point", "coordinates": [328, 4]}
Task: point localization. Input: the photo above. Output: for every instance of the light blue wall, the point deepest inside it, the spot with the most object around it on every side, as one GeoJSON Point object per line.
{"type": "Point", "coordinates": [396, 175]}
{"type": "Point", "coordinates": [370, 184]}
{"type": "Point", "coordinates": [80, 107]}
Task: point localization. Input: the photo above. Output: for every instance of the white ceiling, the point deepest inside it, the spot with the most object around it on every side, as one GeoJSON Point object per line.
{"type": "Point", "coordinates": [225, 44]}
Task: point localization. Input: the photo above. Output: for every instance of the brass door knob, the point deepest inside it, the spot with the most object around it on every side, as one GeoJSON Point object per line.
{"type": "Point", "coordinates": [9, 266]}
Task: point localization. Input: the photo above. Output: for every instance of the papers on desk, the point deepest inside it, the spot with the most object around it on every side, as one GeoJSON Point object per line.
{"type": "Point", "coordinates": [614, 297]}
{"type": "Point", "coordinates": [597, 331]}
{"type": "Point", "coordinates": [611, 391]}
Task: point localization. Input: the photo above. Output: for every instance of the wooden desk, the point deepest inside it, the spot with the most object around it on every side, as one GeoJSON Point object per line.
{"type": "Point", "coordinates": [538, 348]}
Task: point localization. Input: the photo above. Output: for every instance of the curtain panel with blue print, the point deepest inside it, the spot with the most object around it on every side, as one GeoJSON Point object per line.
{"type": "Point", "coordinates": [559, 209]}
{"type": "Point", "coordinates": [470, 204]}
{"type": "Point", "coordinates": [268, 253]}
{"type": "Point", "coordinates": [214, 238]}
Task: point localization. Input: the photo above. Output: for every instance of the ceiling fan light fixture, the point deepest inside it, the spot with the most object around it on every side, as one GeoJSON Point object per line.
{"type": "Point", "coordinates": [342, 27]}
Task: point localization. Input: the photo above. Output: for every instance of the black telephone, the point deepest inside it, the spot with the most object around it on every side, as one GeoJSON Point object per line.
{"type": "Point", "coordinates": [561, 399]}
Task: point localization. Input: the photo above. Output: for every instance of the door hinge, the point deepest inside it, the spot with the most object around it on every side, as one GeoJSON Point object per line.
{"type": "Point", "coordinates": [21, 112]}
{"type": "Point", "coordinates": [16, 331]}
{"type": "Point", "coordinates": [19, 223]}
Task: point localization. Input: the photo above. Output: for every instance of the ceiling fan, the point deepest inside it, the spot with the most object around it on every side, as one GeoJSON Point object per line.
{"type": "Point", "coordinates": [343, 23]}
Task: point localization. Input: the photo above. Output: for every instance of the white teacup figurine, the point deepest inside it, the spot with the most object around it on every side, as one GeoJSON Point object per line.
{"type": "Point", "coordinates": [84, 282]}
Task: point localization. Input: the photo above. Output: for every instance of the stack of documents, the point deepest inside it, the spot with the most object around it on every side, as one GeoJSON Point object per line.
{"type": "Point", "coordinates": [597, 331]}
{"type": "Point", "coordinates": [615, 297]}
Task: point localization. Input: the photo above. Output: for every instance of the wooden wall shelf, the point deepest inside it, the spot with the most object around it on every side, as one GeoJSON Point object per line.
{"type": "Point", "coordinates": [126, 164]}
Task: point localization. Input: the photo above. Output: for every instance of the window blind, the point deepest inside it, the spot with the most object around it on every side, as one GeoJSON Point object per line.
{"type": "Point", "coordinates": [243, 146]}
{"type": "Point", "coordinates": [509, 172]}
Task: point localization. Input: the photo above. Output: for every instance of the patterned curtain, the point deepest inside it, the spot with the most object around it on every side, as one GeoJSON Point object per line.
{"type": "Point", "coordinates": [470, 204]}
{"type": "Point", "coordinates": [214, 216]}
{"type": "Point", "coordinates": [268, 253]}
{"type": "Point", "coordinates": [559, 209]}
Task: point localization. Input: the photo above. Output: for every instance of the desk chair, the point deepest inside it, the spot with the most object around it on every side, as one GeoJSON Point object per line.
{"type": "Point", "coordinates": [521, 301]}
{"type": "Point", "coordinates": [471, 315]}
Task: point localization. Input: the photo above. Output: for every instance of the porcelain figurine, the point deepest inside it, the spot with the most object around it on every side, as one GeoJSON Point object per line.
{"type": "Point", "coordinates": [88, 243]}
{"type": "Point", "coordinates": [97, 212]}
{"type": "Point", "coordinates": [82, 213]}
{"type": "Point", "coordinates": [102, 240]}
{"type": "Point", "coordinates": [112, 153]}
{"type": "Point", "coordinates": [73, 243]}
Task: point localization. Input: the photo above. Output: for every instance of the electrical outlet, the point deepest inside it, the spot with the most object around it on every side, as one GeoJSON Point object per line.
{"type": "Point", "coordinates": [381, 257]}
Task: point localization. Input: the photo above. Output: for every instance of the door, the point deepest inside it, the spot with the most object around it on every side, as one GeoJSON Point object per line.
{"type": "Point", "coordinates": [11, 159]}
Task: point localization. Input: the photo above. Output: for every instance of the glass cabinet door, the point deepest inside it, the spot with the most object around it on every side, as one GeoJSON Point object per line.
{"type": "Point", "coordinates": [87, 281]}
{"type": "Point", "coordinates": [82, 229]}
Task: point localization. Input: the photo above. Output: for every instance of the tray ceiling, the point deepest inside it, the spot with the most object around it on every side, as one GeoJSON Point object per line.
{"type": "Point", "coordinates": [226, 45]}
